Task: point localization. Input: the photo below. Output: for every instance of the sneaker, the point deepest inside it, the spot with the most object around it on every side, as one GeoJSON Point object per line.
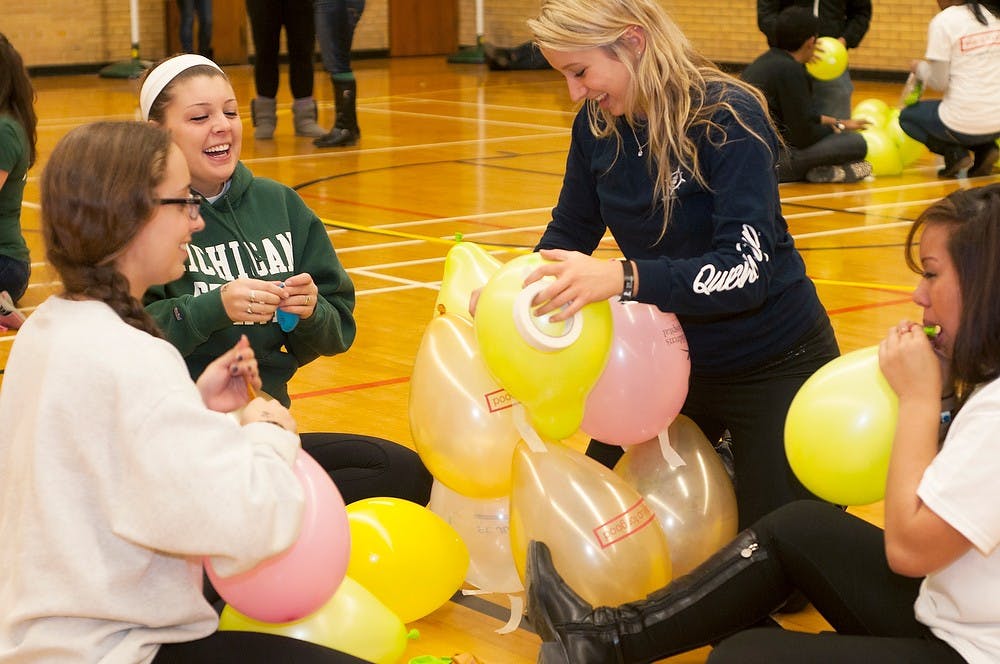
{"type": "Point", "coordinates": [986, 159]}
{"type": "Point", "coordinates": [852, 171]}
{"type": "Point", "coordinates": [10, 317]}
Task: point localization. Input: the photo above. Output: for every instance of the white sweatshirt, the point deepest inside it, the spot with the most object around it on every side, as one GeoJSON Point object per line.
{"type": "Point", "coordinates": [115, 482]}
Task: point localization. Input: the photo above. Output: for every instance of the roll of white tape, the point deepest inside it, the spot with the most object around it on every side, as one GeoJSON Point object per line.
{"type": "Point", "coordinates": [538, 331]}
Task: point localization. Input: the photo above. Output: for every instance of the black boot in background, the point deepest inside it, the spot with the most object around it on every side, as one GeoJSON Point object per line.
{"type": "Point", "coordinates": [345, 130]}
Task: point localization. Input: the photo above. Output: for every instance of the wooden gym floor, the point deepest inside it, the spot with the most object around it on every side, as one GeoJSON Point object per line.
{"type": "Point", "coordinates": [457, 149]}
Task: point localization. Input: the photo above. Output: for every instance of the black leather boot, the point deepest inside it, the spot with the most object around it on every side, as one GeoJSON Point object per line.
{"type": "Point", "coordinates": [345, 129]}
{"type": "Point", "coordinates": [738, 586]}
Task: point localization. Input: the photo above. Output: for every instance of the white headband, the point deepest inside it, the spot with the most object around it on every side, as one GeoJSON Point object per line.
{"type": "Point", "coordinates": [165, 72]}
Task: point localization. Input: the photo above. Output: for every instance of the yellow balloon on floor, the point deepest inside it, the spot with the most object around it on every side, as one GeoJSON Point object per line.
{"type": "Point", "coordinates": [883, 154]}
{"type": "Point", "coordinates": [839, 430]}
{"type": "Point", "coordinates": [467, 266]}
{"type": "Point", "coordinates": [605, 539]}
{"type": "Point", "coordinates": [352, 621]}
{"type": "Point", "coordinates": [548, 367]}
{"type": "Point", "coordinates": [830, 60]}
{"type": "Point", "coordinates": [876, 111]}
{"type": "Point", "coordinates": [910, 149]}
{"type": "Point", "coordinates": [405, 555]}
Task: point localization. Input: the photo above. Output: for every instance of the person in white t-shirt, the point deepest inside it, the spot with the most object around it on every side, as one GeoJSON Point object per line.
{"type": "Point", "coordinates": [962, 61]}
{"type": "Point", "coordinates": [925, 589]}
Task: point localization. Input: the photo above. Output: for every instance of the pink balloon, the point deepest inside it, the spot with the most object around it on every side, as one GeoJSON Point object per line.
{"type": "Point", "coordinates": [296, 582]}
{"type": "Point", "coordinates": [645, 381]}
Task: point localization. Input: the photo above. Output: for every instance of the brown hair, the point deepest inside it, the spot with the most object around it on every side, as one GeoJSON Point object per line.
{"type": "Point", "coordinates": [972, 219]}
{"type": "Point", "coordinates": [17, 96]}
{"type": "Point", "coordinates": [98, 191]}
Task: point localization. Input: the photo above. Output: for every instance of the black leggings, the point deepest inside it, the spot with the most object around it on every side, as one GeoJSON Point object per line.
{"type": "Point", "coordinates": [266, 19]}
{"type": "Point", "coordinates": [250, 648]}
{"type": "Point", "coordinates": [367, 467]}
{"type": "Point", "coordinates": [838, 561]}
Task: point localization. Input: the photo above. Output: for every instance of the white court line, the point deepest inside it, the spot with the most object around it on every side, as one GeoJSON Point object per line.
{"type": "Point", "coordinates": [855, 229]}
{"type": "Point", "coordinates": [403, 148]}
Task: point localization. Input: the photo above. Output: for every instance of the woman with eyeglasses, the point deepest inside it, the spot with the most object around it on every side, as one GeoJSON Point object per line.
{"type": "Point", "coordinates": [263, 255]}
{"type": "Point", "coordinates": [118, 473]}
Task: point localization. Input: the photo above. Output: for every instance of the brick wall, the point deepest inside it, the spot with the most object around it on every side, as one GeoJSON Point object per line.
{"type": "Point", "coordinates": [98, 31]}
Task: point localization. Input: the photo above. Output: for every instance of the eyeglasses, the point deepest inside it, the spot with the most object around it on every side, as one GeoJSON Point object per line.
{"type": "Point", "coordinates": [193, 203]}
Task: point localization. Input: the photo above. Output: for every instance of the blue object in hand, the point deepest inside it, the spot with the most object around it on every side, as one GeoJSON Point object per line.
{"type": "Point", "coordinates": [286, 321]}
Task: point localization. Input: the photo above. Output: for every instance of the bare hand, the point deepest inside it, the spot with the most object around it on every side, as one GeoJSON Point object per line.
{"type": "Point", "coordinates": [223, 383]}
{"type": "Point", "coordinates": [264, 410]}
{"type": "Point", "coordinates": [300, 293]}
{"type": "Point", "coordinates": [251, 300]}
{"type": "Point", "coordinates": [909, 363]}
{"type": "Point", "coordinates": [579, 280]}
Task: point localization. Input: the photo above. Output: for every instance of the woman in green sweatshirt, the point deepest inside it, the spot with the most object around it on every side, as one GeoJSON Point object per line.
{"type": "Point", "coordinates": [262, 255]}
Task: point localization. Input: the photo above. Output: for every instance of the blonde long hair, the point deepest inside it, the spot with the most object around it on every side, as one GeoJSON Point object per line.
{"type": "Point", "coordinates": [669, 80]}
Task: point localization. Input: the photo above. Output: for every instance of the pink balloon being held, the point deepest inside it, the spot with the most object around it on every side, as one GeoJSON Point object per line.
{"type": "Point", "coordinates": [298, 581]}
{"type": "Point", "coordinates": [645, 380]}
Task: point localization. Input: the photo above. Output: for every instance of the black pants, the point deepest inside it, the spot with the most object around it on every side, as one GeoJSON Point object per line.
{"type": "Point", "coordinates": [250, 648]}
{"type": "Point", "coordinates": [837, 561]}
{"type": "Point", "coordinates": [752, 405]}
{"type": "Point", "coordinates": [366, 467]}
{"type": "Point", "coordinates": [266, 20]}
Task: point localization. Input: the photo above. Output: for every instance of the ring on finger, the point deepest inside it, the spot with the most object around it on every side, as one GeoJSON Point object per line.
{"type": "Point", "coordinates": [307, 299]}
{"type": "Point", "coordinates": [250, 308]}
{"type": "Point", "coordinates": [253, 297]}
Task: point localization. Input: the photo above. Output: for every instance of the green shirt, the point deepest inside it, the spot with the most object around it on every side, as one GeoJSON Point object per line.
{"type": "Point", "coordinates": [14, 155]}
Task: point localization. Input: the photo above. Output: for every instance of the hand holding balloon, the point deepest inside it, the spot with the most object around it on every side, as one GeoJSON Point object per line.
{"type": "Point", "coordinates": [579, 280]}
{"type": "Point", "coordinates": [909, 364]}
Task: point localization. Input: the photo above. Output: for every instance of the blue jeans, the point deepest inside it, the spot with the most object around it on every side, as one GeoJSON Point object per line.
{"type": "Point", "coordinates": [335, 24]}
{"type": "Point", "coordinates": [204, 10]}
{"type": "Point", "coordinates": [922, 122]}
{"type": "Point", "coordinates": [833, 98]}
{"type": "Point", "coordinates": [793, 164]}
{"type": "Point", "coordinates": [14, 276]}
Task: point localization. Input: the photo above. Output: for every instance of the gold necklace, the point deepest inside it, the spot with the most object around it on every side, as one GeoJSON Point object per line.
{"type": "Point", "coordinates": [642, 147]}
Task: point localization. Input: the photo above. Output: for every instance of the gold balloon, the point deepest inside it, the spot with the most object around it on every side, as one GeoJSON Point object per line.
{"type": "Point", "coordinates": [695, 502]}
{"type": "Point", "coordinates": [460, 418]}
{"type": "Point", "coordinates": [466, 268]}
{"type": "Point", "coordinates": [605, 540]}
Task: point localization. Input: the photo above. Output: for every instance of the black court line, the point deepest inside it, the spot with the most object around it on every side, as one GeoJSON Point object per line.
{"type": "Point", "coordinates": [860, 213]}
{"type": "Point", "coordinates": [478, 161]}
{"type": "Point", "coordinates": [490, 609]}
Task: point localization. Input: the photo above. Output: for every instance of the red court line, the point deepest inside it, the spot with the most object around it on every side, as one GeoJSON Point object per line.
{"type": "Point", "coordinates": [870, 305]}
{"type": "Point", "coordinates": [352, 388]}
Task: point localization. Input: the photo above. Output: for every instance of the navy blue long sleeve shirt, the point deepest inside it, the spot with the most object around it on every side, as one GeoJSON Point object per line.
{"type": "Point", "coordinates": [726, 266]}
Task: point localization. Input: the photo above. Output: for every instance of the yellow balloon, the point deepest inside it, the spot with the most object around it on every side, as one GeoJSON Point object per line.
{"type": "Point", "coordinates": [839, 430]}
{"type": "Point", "coordinates": [548, 367]}
{"type": "Point", "coordinates": [405, 555]}
{"type": "Point", "coordinates": [910, 149]}
{"type": "Point", "coordinates": [466, 268]}
{"type": "Point", "coordinates": [691, 494]}
{"type": "Point", "coordinates": [883, 153]}
{"type": "Point", "coordinates": [352, 621]}
{"type": "Point", "coordinates": [460, 417]}
{"type": "Point", "coordinates": [605, 539]}
{"type": "Point", "coordinates": [830, 60]}
{"type": "Point", "coordinates": [874, 110]}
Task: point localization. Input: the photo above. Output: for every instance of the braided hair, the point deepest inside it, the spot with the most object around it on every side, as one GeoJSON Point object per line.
{"type": "Point", "coordinates": [98, 191]}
